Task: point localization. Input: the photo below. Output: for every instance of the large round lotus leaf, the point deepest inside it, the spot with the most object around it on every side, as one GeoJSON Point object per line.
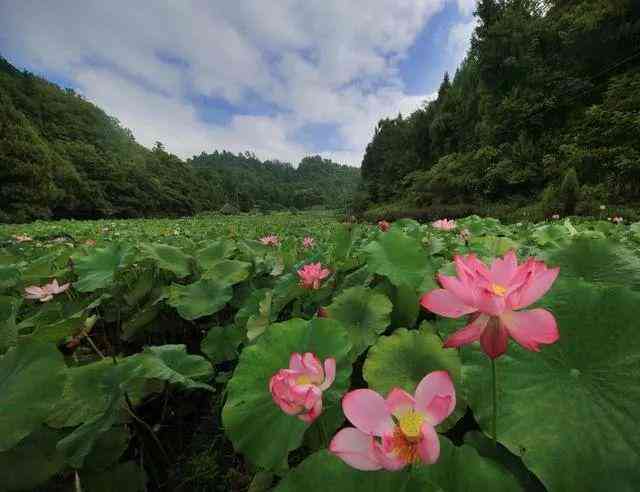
{"type": "Point", "coordinates": [492, 246]}
{"type": "Point", "coordinates": [32, 376]}
{"type": "Point", "coordinates": [254, 423]}
{"type": "Point", "coordinates": [459, 469]}
{"type": "Point", "coordinates": [168, 258]}
{"type": "Point", "coordinates": [97, 269]}
{"type": "Point", "coordinates": [9, 276]}
{"type": "Point", "coordinates": [403, 358]}
{"type": "Point", "coordinates": [363, 312]}
{"type": "Point", "coordinates": [399, 257]}
{"type": "Point", "coordinates": [221, 343]}
{"type": "Point", "coordinates": [32, 462]}
{"type": "Point", "coordinates": [228, 271]}
{"type": "Point", "coordinates": [570, 411]}
{"type": "Point", "coordinates": [202, 298]}
{"type": "Point", "coordinates": [214, 252]}
{"type": "Point", "coordinates": [598, 261]}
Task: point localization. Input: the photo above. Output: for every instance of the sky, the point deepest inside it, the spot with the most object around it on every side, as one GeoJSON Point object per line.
{"type": "Point", "coordinates": [280, 78]}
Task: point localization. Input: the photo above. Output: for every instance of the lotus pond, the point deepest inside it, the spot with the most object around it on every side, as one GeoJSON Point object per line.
{"type": "Point", "coordinates": [292, 352]}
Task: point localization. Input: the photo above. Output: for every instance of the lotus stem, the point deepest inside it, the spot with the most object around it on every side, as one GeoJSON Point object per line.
{"type": "Point", "coordinates": [494, 392]}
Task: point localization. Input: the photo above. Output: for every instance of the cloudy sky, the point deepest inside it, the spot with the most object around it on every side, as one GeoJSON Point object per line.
{"type": "Point", "coordinates": [282, 78]}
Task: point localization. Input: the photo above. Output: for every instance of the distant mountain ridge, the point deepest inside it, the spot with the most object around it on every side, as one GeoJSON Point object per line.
{"type": "Point", "coordinates": [62, 156]}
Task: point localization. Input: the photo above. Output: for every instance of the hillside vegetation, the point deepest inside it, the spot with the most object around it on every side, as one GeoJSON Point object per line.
{"type": "Point", "coordinates": [63, 157]}
{"type": "Point", "coordinates": [547, 88]}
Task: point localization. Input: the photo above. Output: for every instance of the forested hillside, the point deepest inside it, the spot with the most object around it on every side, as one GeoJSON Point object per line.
{"type": "Point", "coordinates": [61, 156]}
{"type": "Point", "coordinates": [547, 86]}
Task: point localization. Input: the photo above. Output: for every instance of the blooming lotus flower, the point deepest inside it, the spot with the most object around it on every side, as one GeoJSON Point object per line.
{"type": "Point", "coordinates": [312, 274]}
{"type": "Point", "coordinates": [46, 292]}
{"type": "Point", "coordinates": [444, 224]}
{"type": "Point", "coordinates": [271, 240]}
{"type": "Point", "coordinates": [298, 389]}
{"type": "Point", "coordinates": [493, 297]}
{"type": "Point", "coordinates": [398, 431]}
{"type": "Point", "coordinates": [465, 235]}
{"type": "Point", "coordinates": [383, 225]}
{"type": "Point", "coordinates": [308, 242]}
{"type": "Point", "coordinates": [618, 220]}
{"type": "Point", "coordinates": [23, 238]}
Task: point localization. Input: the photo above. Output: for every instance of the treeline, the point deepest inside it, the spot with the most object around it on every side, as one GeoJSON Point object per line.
{"type": "Point", "coordinates": [61, 156]}
{"type": "Point", "coordinates": [548, 87]}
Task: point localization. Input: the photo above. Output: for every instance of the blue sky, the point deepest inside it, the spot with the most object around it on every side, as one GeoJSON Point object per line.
{"type": "Point", "coordinates": [295, 78]}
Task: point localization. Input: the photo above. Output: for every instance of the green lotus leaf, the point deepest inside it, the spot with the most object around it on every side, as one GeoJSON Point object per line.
{"type": "Point", "coordinates": [32, 376]}
{"type": "Point", "coordinates": [256, 426]}
{"type": "Point", "coordinates": [202, 298]}
{"type": "Point", "coordinates": [168, 258]}
{"type": "Point", "coordinates": [578, 397]}
{"type": "Point", "coordinates": [600, 261]}
{"type": "Point", "coordinates": [459, 469]}
{"type": "Point", "coordinates": [98, 269]}
{"type": "Point", "coordinates": [214, 252]}
{"type": "Point", "coordinates": [399, 257]}
{"type": "Point", "coordinates": [221, 343]}
{"type": "Point", "coordinates": [228, 271]}
{"type": "Point", "coordinates": [492, 246]}
{"type": "Point", "coordinates": [33, 461]}
{"type": "Point", "coordinates": [403, 358]}
{"type": "Point", "coordinates": [9, 276]}
{"type": "Point", "coordinates": [363, 312]}
{"type": "Point", "coordinates": [8, 329]}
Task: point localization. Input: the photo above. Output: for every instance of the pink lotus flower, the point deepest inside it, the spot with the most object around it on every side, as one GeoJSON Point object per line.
{"type": "Point", "coordinates": [22, 238]}
{"type": "Point", "coordinates": [46, 292]}
{"type": "Point", "coordinates": [383, 225]}
{"type": "Point", "coordinates": [398, 431]}
{"type": "Point", "coordinates": [298, 390]}
{"type": "Point", "coordinates": [493, 297]}
{"type": "Point", "coordinates": [618, 220]}
{"type": "Point", "coordinates": [308, 242]}
{"type": "Point", "coordinates": [322, 313]}
{"type": "Point", "coordinates": [465, 235]}
{"type": "Point", "coordinates": [312, 274]}
{"type": "Point", "coordinates": [444, 224]}
{"type": "Point", "coordinates": [271, 240]}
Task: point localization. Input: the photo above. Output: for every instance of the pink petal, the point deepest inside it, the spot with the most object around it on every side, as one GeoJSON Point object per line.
{"type": "Point", "coordinates": [388, 460]}
{"type": "Point", "coordinates": [503, 269]}
{"type": "Point", "coordinates": [62, 288]}
{"type": "Point", "coordinates": [355, 448]}
{"type": "Point", "coordinates": [313, 367]}
{"type": "Point", "coordinates": [313, 413]}
{"type": "Point", "coordinates": [460, 289]}
{"type": "Point", "coordinates": [534, 289]}
{"type": "Point", "coordinates": [491, 304]}
{"type": "Point", "coordinates": [367, 410]}
{"type": "Point", "coordinates": [429, 446]}
{"type": "Point", "coordinates": [399, 402]}
{"type": "Point", "coordinates": [47, 298]}
{"type": "Point", "coordinates": [531, 328]}
{"type": "Point", "coordinates": [494, 339]}
{"type": "Point", "coordinates": [295, 362]}
{"type": "Point", "coordinates": [468, 334]}
{"type": "Point", "coordinates": [436, 384]}
{"type": "Point", "coordinates": [444, 303]}
{"type": "Point", "coordinates": [34, 290]}
{"type": "Point", "coordinates": [329, 373]}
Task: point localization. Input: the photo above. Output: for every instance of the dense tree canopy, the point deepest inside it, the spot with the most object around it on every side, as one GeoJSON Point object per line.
{"type": "Point", "coordinates": [547, 85]}
{"type": "Point", "coordinates": [61, 156]}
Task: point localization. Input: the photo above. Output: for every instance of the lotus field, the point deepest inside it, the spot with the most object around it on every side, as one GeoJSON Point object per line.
{"type": "Point", "coordinates": [291, 352]}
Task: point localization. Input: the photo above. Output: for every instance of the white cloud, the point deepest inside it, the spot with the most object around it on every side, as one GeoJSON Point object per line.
{"type": "Point", "coordinates": [459, 39]}
{"type": "Point", "coordinates": [329, 61]}
{"type": "Point", "coordinates": [467, 7]}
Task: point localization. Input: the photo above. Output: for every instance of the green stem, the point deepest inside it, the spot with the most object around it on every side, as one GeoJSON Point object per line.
{"type": "Point", "coordinates": [495, 403]}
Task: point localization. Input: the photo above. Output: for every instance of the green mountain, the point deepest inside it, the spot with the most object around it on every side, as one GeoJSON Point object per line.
{"type": "Point", "coordinates": [62, 156]}
{"type": "Point", "coordinates": [547, 86]}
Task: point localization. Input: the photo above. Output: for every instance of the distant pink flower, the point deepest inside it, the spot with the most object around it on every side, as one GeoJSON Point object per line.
{"type": "Point", "coordinates": [312, 274]}
{"type": "Point", "coordinates": [90, 242]}
{"type": "Point", "coordinates": [465, 235]}
{"type": "Point", "coordinates": [492, 297]}
{"type": "Point", "coordinates": [618, 220]}
{"type": "Point", "coordinates": [383, 225]}
{"type": "Point", "coordinates": [298, 389]}
{"type": "Point", "coordinates": [444, 224]}
{"type": "Point", "coordinates": [271, 240]}
{"type": "Point", "coordinates": [308, 242]}
{"type": "Point", "coordinates": [322, 313]}
{"type": "Point", "coordinates": [398, 431]}
{"type": "Point", "coordinates": [555, 216]}
{"type": "Point", "coordinates": [23, 238]}
{"type": "Point", "coordinates": [46, 292]}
